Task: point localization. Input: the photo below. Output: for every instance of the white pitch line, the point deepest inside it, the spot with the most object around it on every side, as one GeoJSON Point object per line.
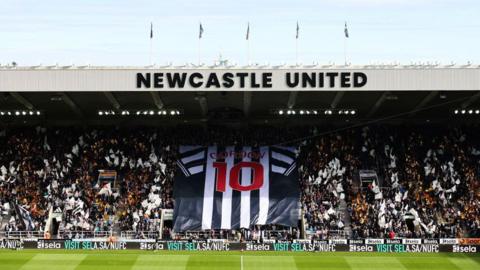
{"type": "Point", "coordinates": [241, 262]}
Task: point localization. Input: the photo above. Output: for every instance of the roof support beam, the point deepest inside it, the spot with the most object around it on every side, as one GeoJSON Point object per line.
{"type": "Point", "coordinates": [247, 102]}
{"type": "Point", "coordinates": [202, 101]}
{"type": "Point", "coordinates": [22, 100]}
{"type": "Point", "coordinates": [292, 99]}
{"type": "Point", "coordinates": [378, 103]}
{"type": "Point", "coordinates": [471, 100]}
{"type": "Point", "coordinates": [112, 99]}
{"type": "Point", "coordinates": [424, 102]}
{"type": "Point", "coordinates": [336, 99]}
{"type": "Point", "coordinates": [157, 100]}
{"type": "Point", "coordinates": [72, 105]}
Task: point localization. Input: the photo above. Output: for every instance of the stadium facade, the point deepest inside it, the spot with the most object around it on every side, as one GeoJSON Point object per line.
{"type": "Point", "coordinates": [242, 94]}
{"type": "Point", "coordinates": [354, 164]}
{"type": "Point", "coordinates": [279, 78]}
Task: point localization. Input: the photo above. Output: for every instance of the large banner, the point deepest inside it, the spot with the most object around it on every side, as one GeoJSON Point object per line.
{"type": "Point", "coordinates": [235, 187]}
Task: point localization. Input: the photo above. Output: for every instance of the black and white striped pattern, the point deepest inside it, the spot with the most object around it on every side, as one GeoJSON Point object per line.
{"type": "Point", "coordinates": [283, 160]}
{"type": "Point", "coordinates": [25, 217]}
{"type": "Point", "coordinates": [199, 206]}
{"type": "Point", "coordinates": [77, 210]}
{"type": "Point", "coordinates": [192, 160]}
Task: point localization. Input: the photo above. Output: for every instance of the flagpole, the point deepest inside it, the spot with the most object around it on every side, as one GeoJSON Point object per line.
{"type": "Point", "coordinates": [151, 51]}
{"type": "Point", "coordinates": [345, 37]}
{"type": "Point", "coordinates": [296, 51]}
{"type": "Point", "coordinates": [151, 42]}
{"type": "Point", "coordinates": [248, 44]}
{"type": "Point", "coordinates": [296, 44]}
{"type": "Point", "coordinates": [248, 52]}
{"type": "Point", "coordinates": [200, 33]}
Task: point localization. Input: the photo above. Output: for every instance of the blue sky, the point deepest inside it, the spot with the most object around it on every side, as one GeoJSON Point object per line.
{"type": "Point", "coordinates": [116, 32]}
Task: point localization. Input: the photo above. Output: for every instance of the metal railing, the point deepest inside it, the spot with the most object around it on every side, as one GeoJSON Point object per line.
{"type": "Point", "coordinates": [85, 234]}
{"type": "Point", "coordinates": [80, 234]}
{"type": "Point", "coordinates": [64, 234]}
{"type": "Point", "coordinates": [21, 234]}
{"type": "Point", "coordinates": [267, 234]}
{"type": "Point", "coordinates": [330, 234]}
{"type": "Point", "coordinates": [140, 235]}
{"type": "Point", "coordinates": [233, 235]}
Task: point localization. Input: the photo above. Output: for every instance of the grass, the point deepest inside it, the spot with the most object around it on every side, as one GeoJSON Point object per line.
{"type": "Point", "coordinates": [143, 260]}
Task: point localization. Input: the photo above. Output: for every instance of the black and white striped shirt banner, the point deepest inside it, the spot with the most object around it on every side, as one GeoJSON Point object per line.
{"type": "Point", "coordinates": [235, 187]}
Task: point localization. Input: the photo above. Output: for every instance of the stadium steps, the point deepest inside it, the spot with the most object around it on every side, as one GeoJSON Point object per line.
{"type": "Point", "coordinates": [356, 183]}
{"type": "Point", "coordinates": [116, 229]}
{"type": "Point", "coordinates": [4, 221]}
{"type": "Point", "coordinates": [342, 207]}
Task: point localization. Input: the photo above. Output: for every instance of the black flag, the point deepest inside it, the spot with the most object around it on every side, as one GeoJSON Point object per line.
{"type": "Point", "coordinates": [346, 31]}
{"type": "Point", "coordinates": [151, 30]}
{"type": "Point", "coordinates": [298, 30]}
{"type": "Point", "coordinates": [200, 34]}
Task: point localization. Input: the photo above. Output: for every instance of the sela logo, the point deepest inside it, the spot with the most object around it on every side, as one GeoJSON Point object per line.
{"type": "Point", "coordinates": [360, 248]}
{"type": "Point", "coordinates": [464, 249]}
{"type": "Point", "coordinates": [234, 176]}
{"type": "Point", "coordinates": [151, 246]}
{"type": "Point", "coordinates": [257, 247]}
{"type": "Point", "coordinates": [48, 245]}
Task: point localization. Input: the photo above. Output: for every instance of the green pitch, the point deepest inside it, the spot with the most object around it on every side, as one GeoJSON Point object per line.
{"type": "Point", "coordinates": [143, 260]}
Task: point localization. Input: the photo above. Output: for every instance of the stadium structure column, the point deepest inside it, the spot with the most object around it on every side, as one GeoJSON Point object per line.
{"type": "Point", "coordinates": [471, 100]}
{"type": "Point", "coordinates": [292, 99]}
{"type": "Point", "coordinates": [72, 105]}
{"type": "Point", "coordinates": [22, 100]}
{"type": "Point", "coordinates": [202, 101]}
{"type": "Point", "coordinates": [157, 100]}
{"type": "Point", "coordinates": [112, 100]}
{"type": "Point", "coordinates": [247, 101]}
{"type": "Point", "coordinates": [378, 103]}
{"type": "Point", "coordinates": [424, 102]}
{"type": "Point", "coordinates": [336, 100]}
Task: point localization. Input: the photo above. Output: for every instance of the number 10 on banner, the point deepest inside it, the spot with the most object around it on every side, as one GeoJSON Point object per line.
{"type": "Point", "coordinates": [234, 179]}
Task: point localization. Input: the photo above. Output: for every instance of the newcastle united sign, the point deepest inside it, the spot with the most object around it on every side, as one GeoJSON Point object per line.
{"type": "Point", "coordinates": [252, 80]}
{"type": "Point", "coordinates": [359, 78]}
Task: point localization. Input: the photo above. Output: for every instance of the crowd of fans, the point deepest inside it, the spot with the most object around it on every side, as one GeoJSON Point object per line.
{"type": "Point", "coordinates": [427, 185]}
{"type": "Point", "coordinates": [58, 169]}
{"type": "Point", "coordinates": [431, 185]}
{"type": "Point", "coordinates": [327, 167]}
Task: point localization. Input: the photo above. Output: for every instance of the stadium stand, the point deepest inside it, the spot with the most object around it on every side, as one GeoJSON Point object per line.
{"type": "Point", "coordinates": [426, 185]}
